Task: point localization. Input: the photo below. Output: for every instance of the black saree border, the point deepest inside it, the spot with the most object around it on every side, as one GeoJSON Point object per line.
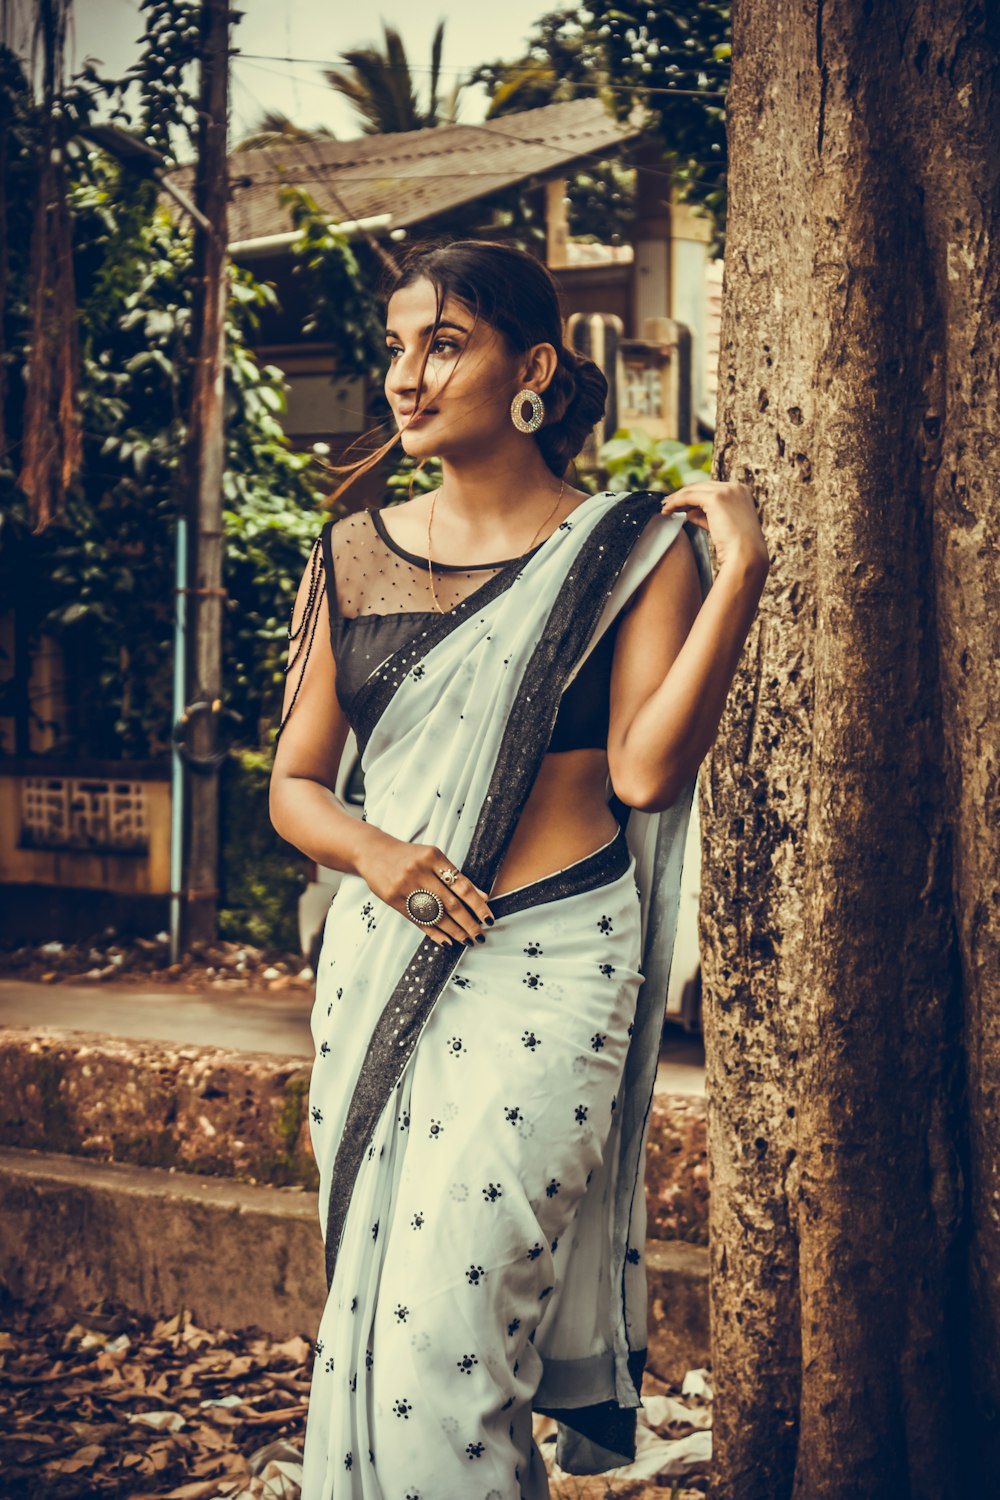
{"type": "Point", "coordinates": [608, 1427]}
{"type": "Point", "coordinates": [566, 634]}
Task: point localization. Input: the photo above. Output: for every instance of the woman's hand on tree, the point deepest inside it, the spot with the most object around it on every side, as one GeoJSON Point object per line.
{"type": "Point", "coordinates": [392, 868]}
{"type": "Point", "coordinates": [725, 509]}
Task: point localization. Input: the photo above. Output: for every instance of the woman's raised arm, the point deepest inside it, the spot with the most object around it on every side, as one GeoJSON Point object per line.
{"type": "Point", "coordinates": [676, 654]}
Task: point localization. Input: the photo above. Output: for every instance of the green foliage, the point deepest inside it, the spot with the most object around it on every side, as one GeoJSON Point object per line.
{"type": "Point", "coordinates": [407, 479]}
{"type": "Point", "coordinates": [673, 59]}
{"type": "Point", "coordinates": [344, 309]}
{"type": "Point", "coordinates": [101, 580]}
{"type": "Point", "coordinates": [167, 103]}
{"type": "Point", "coordinates": [636, 461]}
{"type": "Point", "coordinates": [380, 86]}
{"type": "Point", "coordinates": [262, 876]}
{"type": "Point", "coordinates": [564, 60]}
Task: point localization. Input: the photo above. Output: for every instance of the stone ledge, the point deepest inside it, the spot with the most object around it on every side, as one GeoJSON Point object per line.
{"type": "Point", "coordinates": [208, 1110]}
{"type": "Point", "coordinates": [238, 1256]}
{"type": "Point", "coordinates": [226, 1113]}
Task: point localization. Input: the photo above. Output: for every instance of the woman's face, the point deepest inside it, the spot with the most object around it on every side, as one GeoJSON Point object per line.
{"type": "Point", "coordinates": [469, 380]}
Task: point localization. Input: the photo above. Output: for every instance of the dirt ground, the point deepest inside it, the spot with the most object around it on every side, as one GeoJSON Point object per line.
{"type": "Point", "coordinates": [109, 1404]}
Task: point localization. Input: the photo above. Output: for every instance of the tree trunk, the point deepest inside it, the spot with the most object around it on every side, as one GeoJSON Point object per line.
{"type": "Point", "coordinates": [849, 910]}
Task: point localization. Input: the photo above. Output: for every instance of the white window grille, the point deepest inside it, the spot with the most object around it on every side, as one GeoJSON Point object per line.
{"type": "Point", "coordinates": [82, 812]}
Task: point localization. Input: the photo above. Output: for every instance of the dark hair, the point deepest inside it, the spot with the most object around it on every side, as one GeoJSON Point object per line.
{"type": "Point", "coordinates": [516, 295]}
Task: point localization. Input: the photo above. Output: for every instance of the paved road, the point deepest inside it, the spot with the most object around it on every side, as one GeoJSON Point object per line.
{"type": "Point", "coordinates": [247, 1022]}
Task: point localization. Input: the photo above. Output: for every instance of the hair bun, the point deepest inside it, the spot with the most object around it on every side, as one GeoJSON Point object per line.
{"type": "Point", "coordinates": [574, 404]}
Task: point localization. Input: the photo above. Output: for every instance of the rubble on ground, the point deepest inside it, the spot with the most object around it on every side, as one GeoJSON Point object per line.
{"type": "Point", "coordinates": [102, 1402]}
{"type": "Point", "coordinates": [113, 957]}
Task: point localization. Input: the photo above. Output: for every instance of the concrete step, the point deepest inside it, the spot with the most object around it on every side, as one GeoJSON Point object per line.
{"type": "Point", "coordinates": [222, 1112]}
{"type": "Point", "coordinates": [238, 1256]}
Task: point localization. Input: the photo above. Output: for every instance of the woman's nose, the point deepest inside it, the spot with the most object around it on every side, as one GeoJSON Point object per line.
{"type": "Point", "coordinates": [401, 377]}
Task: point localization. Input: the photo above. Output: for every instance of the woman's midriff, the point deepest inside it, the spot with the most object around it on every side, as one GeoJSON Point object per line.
{"type": "Point", "coordinates": [565, 818]}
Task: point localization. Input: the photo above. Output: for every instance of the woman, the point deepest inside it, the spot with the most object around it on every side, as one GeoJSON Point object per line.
{"type": "Point", "coordinates": [490, 988]}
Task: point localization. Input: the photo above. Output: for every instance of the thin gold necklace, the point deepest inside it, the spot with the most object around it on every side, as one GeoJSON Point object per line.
{"type": "Point", "coordinates": [430, 518]}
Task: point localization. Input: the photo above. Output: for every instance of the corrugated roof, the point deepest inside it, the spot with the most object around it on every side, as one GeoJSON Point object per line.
{"type": "Point", "coordinates": [414, 175]}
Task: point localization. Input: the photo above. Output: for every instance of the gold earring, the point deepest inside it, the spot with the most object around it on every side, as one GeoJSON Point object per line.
{"type": "Point", "coordinates": [521, 400]}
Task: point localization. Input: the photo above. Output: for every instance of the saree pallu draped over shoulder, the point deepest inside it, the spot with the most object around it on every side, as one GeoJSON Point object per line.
{"type": "Point", "coordinates": [479, 1116]}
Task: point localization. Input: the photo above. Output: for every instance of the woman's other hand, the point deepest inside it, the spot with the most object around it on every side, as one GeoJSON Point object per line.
{"type": "Point", "coordinates": [393, 868]}
{"type": "Point", "coordinates": [724, 509]}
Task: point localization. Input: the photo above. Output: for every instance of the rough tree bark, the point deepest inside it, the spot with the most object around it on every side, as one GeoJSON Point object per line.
{"type": "Point", "coordinates": [850, 906]}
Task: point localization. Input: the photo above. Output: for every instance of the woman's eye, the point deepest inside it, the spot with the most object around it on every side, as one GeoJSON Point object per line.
{"type": "Point", "coordinates": [439, 346]}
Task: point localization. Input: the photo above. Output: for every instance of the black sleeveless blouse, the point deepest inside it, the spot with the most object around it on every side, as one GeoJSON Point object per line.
{"type": "Point", "coordinates": [369, 578]}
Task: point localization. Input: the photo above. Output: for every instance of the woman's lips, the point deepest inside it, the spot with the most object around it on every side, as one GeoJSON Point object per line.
{"type": "Point", "coordinates": [410, 418]}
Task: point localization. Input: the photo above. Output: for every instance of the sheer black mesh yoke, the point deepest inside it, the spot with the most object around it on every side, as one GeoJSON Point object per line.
{"type": "Point", "coordinates": [374, 575]}
{"type": "Point", "coordinates": [379, 597]}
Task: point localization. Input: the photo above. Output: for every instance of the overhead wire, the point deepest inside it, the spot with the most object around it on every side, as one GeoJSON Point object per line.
{"type": "Point", "coordinates": [490, 128]}
{"type": "Point", "coordinates": [517, 68]}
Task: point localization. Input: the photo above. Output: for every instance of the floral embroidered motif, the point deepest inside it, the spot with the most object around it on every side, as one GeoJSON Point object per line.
{"type": "Point", "coordinates": [533, 950]}
{"type": "Point", "coordinates": [402, 1408]}
{"type": "Point", "coordinates": [513, 1114]}
{"type": "Point", "coordinates": [474, 1275]}
{"type": "Point", "coordinates": [607, 970]}
{"type": "Point", "coordinates": [466, 1363]}
{"type": "Point", "coordinates": [533, 981]}
{"type": "Point", "coordinates": [475, 1450]}
{"type": "Point", "coordinates": [418, 1221]}
{"type": "Point", "coordinates": [605, 924]}
{"type": "Point", "coordinates": [580, 1113]}
{"type": "Point", "coordinates": [317, 1115]}
{"type": "Point", "coordinates": [530, 1040]}
{"type": "Point", "coordinates": [597, 1040]}
{"type": "Point", "coordinates": [492, 1191]}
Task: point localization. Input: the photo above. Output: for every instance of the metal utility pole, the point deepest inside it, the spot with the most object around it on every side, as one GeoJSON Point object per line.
{"type": "Point", "coordinates": [204, 477]}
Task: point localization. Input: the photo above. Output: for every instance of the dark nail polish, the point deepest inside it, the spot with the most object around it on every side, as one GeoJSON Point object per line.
{"type": "Point", "coordinates": [480, 937]}
{"type": "Point", "coordinates": [488, 921]}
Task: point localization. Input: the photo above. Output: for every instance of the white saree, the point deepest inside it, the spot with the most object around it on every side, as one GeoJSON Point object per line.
{"type": "Point", "coordinates": [478, 1115]}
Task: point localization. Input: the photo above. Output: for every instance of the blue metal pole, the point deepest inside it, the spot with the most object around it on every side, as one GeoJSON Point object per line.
{"type": "Point", "coordinates": [176, 762]}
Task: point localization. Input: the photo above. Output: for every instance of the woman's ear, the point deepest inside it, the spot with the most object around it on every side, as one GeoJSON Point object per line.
{"type": "Point", "coordinates": [539, 366]}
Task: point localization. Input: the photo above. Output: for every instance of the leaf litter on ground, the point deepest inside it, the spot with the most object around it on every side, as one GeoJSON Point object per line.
{"type": "Point", "coordinates": [102, 1402]}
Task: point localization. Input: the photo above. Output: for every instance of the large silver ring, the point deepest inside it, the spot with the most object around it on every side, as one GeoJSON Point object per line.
{"type": "Point", "coordinates": [449, 875]}
{"type": "Point", "coordinates": [424, 908]}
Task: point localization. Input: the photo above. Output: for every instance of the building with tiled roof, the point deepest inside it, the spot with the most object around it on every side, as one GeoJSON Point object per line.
{"type": "Point", "coordinates": [416, 177]}
{"type": "Point", "coordinates": [451, 180]}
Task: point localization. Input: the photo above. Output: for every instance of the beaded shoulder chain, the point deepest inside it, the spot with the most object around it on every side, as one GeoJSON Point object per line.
{"type": "Point", "coordinates": [316, 574]}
